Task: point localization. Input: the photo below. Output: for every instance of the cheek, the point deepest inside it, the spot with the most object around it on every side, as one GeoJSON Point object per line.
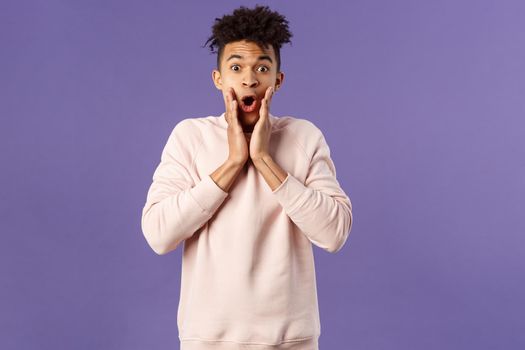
{"type": "Point", "coordinates": [227, 84]}
{"type": "Point", "coordinates": [228, 79]}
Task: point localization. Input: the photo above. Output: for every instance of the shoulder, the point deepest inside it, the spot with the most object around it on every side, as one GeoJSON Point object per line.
{"type": "Point", "coordinates": [301, 127]}
{"type": "Point", "coordinates": [186, 125]}
{"type": "Point", "coordinates": [188, 132]}
{"type": "Point", "coordinates": [305, 132]}
{"type": "Point", "coordinates": [196, 126]}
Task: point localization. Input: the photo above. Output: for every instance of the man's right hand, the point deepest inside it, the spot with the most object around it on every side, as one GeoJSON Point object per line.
{"type": "Point", "coordinates": [237, 140]}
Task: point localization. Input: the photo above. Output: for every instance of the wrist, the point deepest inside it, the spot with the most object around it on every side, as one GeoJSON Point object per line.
{"type": "Point", "coordinates": [261, 158]}
{"type": "Point", "coordinates": [234, 163]}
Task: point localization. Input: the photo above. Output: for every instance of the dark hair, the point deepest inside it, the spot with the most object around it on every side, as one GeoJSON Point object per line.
{"type": "Point", "coordinates": [259, 25]}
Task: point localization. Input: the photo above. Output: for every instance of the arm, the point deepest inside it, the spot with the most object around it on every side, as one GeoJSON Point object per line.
{"type": "Point", "coordinates": [176, 207]}
{"type": "Point", "coordinates": [319, 207]}
{"type": "Point", "coordinates": [271, 171]}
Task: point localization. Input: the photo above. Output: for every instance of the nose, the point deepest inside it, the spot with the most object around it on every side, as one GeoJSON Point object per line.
{"type": "Point", "coordinates": [250, 80]}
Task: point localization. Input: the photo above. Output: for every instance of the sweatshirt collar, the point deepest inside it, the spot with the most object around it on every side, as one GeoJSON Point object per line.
{"type": "Point", "coordinates": [224, 123]}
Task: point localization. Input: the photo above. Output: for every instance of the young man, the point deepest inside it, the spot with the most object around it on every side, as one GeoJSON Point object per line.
{"type": "Point", "coordinates": [248, 193]}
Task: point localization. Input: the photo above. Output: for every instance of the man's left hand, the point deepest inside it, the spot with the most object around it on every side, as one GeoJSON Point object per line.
{"type": "Point", "coordinates": [260, 139]}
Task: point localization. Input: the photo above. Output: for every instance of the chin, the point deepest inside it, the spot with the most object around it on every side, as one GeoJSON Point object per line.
{"type": "Point", "coordinates": [250, 118]}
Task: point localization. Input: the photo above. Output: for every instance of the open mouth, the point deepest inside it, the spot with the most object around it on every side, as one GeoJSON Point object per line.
{"type": "Point", "coordinates": [248, 103]}
{"type": "Point", "coordinates": [248, 100]}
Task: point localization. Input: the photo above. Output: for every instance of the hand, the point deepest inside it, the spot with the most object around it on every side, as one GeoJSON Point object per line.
{"type": "Point", "coordinates": [260, 139]}
{"type": "Point", "coordinates": [237, 140]}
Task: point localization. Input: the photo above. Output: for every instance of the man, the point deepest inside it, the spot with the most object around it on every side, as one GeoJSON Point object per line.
{"type": "Point", "coordinates": [248, 193]}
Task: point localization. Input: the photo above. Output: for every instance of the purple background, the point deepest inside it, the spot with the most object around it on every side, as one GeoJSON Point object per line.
{"type": "Point", "coordinates": [422, 104]}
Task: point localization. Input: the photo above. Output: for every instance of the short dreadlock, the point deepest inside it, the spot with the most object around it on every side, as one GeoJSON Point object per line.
{"type": "Point", "coordinates": [259, 25]}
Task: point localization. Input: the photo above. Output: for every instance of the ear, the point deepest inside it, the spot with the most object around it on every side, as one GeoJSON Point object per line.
{"type": "Point", "coordinates": [279, 80]}
{"type": "Point", "coordinates": [216, 77]}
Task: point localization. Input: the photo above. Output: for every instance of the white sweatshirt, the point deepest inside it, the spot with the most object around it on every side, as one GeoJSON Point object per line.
{"type": "Point", "coordinates": [248, 273]}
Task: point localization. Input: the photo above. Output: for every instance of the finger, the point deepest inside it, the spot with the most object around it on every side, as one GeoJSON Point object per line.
{"type": "Point", "coordinates": [264, 104]}
{"type": "Point", "coordinates": [233, 110]}
{"type": "Point", "coordinates": [271, 95]}
{"type": "Point", "coordinates": [225, 95]}
{"type": "Point", "coordinates": [234, 119]}
{"type": "Point", "coordinates": [228, 99]}
{"type": "Point", "coordinates": [262, 113]}
{"type": "Point", "coordinates": [228, 106]}
{"type": "Point", "coordinates": [268, 97]}
{"type": "Point", "coordinates": [233, 103]}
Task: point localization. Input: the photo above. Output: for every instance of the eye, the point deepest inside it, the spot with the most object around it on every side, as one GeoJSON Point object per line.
{"type": "Point", "coordinates": [234, 65]}
{"type": "Point", "coordinates": [267, 69]}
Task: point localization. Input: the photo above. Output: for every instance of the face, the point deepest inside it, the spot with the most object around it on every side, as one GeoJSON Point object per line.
{"type": "Point", "coordinates": [248, 69]}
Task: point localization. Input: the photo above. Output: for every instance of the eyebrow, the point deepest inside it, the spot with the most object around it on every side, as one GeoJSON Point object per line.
{"type": "Point", "coordinates": [262, 57]}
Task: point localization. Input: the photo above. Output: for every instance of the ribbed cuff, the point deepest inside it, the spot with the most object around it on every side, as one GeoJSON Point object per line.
{"type": "Point", "coordinates": [223, 344]}
{"type": "Point", "coordinates": [291, 193]}
{"type": "Point", "coordinates": [282, 183]}
{"type": "Point", "coordinates": [208, 195]}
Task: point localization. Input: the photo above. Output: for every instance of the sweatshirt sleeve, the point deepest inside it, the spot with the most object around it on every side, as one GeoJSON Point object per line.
{"type": "Point", "coordinates": [176, 205]}
{"type": "Point", "coordinates": [319, 207]}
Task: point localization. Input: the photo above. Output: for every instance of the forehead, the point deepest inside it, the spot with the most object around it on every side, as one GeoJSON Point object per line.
{"type": "Point", "coordinates": [247, 49]}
